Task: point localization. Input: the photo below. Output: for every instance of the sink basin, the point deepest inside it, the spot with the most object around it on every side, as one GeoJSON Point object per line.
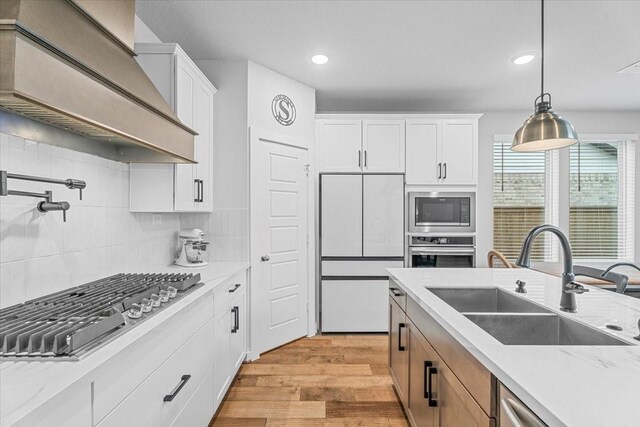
{"type": "Point", "coordinates": [540, 329]}
{"type": "Point", "coordinates": [486, 300]}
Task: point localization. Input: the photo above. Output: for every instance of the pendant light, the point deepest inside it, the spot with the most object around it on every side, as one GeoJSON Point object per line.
{"type": "Point", "coordinates": [544, 129]}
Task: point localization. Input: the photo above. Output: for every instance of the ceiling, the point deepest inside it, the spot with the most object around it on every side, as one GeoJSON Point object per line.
{"type": "Point", "coordinates": [421, 55]}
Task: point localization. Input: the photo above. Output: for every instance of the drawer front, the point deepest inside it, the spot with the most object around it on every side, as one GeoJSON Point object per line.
{"type": "Point", "coordinates": [354, 306]}
{"type": "Point", "coordinates": [398, 294]}
{"type": "Point", "coordinates": [146, 405]}
{"type": "Point", "coordinates": [359, 268]}
{"type": "Point", "coordinates": [70, 408]}
{"type": "Point", "coordinates": [200, 408]}
{"type": "Point", "coordinates": [224, 293]}
{"type": "Point", "coordinates": [127, 370]}
{"type": "Point", "coordinates": [475, 377]}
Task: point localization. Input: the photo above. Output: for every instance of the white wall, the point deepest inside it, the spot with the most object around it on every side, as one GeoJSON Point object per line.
{"type": "Point", "coordinates": [493, 123]}
{"type": "Point", "coordinates": [263, 86]}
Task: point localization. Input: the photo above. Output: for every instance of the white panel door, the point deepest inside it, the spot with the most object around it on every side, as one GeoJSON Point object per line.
{"type": "Point", "coordinates": [383, 145]}
{"type": "Point", "coordinates": [279, 227]}
{"type": "Point", "coordinates": [383, 215]}
{"type": "Point", "coordinates": [204, 141]}
{"type": "Point", "coordinates": [339, 144]}
{"type": "Point", "coordinates": [185, 185]}
{"type": "Point", "coordinates": [341, 215]}
{"type": "Point", "coordinates": [458, 152]}
{"type": "Point", "coordinates": [423, 137]}
{"type": "Point", "coordinates": [340, 314]}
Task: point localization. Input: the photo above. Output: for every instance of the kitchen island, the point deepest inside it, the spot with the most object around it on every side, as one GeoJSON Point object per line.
{"type": "Point", "coordinates": [564, 385]}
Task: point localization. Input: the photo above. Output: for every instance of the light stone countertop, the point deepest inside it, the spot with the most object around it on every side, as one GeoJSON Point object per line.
{"type": "Point", "coordinates": [564, 385]}
{"type": "Point", "coordinates": [26, 385]}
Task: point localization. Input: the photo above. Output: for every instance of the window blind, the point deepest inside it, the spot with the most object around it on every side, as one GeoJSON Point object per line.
{"type": "Point", "coordinates": [600, 208]}
{"type": "Point", "coordinates": [520, 201]}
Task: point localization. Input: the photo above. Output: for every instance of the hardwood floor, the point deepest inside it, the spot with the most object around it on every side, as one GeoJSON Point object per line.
{"type": "Point", "coordinates": [326, 380]}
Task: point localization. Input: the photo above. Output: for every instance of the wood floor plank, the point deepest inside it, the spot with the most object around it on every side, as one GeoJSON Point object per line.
{"type": "Point", "coordinates": [259, 409]}
{"type": "Point", "coordinates": [375, 394]}
{"type": "Point", "coordinates": [293, 358]}
{"type": "Point", "coordinates": [264, 393]}
{"type": "Point", "coordinates": [398, 422]}
{"type": "Point", "coordinates": [380, 369]}
{"type": "Point", "coordinates": [326, 350]}
{"type": "Point", "coordinates": [323, 381]}
{"type": "Point", "coordinates": [305, 369]}
{"type": "Point", "coordinates": [341, 394]}
{"type": "Point", "coordinates": [329, 422]}
{"type": "Point", "coordinates": [238, 422]}
{"type": "Point", "coordinates": [364, 409]}
{"type": "Point", "coordinates": [245, 380]}
{"type": "Point", "coordinates": [374, 358]}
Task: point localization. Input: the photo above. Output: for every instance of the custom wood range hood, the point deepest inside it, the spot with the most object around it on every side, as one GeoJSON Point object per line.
{"type": "Point", "coordinates": [70, 63]}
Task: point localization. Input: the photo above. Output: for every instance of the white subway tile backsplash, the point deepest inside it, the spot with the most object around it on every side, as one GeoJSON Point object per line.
{"type": "Point", "coordinates": [12, 283]}
{"type": "Point", "coordinates": [40, 254]}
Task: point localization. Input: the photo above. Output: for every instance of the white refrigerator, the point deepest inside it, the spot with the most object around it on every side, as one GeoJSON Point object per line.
{"type": "Point", "coordinates": [361, 234]}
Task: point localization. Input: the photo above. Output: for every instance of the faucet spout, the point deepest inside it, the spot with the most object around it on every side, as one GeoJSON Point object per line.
{"type": "Point", "coordinates": [569, 290]}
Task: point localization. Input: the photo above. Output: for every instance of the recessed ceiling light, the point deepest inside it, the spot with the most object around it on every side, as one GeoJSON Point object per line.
{"type": "Point", "coordinates": [523, 59]}
{"type": "Point", "coordinates": [320, 59]}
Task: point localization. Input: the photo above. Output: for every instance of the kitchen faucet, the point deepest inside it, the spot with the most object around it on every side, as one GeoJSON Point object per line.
{"type": "Point", "coordinates": [569, 287]}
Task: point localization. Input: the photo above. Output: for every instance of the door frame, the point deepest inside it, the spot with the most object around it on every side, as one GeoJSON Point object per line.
{"type": "Point", "coordinates": [255, 135]}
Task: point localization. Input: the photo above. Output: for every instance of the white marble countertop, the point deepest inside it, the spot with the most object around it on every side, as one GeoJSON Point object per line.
{"type": "Point", "coordinates": [25, 385]}
{"type": "Point", "coordinates": [564, 385]}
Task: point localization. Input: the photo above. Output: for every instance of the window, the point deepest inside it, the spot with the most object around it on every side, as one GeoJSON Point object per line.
{"type": "Point", "coordinates": [601, 200]}
{"type": "Point", "coordinates": [524, 196]}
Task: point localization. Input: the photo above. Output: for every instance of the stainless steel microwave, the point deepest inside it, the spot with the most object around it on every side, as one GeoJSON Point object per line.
{"type": "Point", "coordinates": [442, 212]}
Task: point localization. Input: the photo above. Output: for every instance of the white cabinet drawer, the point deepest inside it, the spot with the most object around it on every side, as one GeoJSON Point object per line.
{"type": "Point", "coordinates": [146, 405]}
{"type": "Point", "coordinates": [223, 294]}
{"type": "Point", "coordinates": [124, 372]}
{"type": "Point", "coordinates": [355, 305]}
{"type": "Point", "coordinates": [200, 408]}
{"type": "Point", "coordinates": [70, 408]}
{"type": "Point", "coordinates": [359, 268]}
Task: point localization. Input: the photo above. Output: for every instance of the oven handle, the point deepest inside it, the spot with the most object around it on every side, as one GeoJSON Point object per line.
{"type": "Point", "coordinates": [443, 251]}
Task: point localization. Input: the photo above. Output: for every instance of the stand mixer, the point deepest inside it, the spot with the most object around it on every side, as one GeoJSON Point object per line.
{"type": "Point", "coordinates": [193, 248]}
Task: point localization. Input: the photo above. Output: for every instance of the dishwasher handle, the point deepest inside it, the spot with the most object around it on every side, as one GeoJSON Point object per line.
{"type": "Point", "coordinates": [517, 415]}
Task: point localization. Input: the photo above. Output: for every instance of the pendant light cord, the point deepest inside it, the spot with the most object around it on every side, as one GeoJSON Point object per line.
{"type": "Point", "coordinates": [542, 49]}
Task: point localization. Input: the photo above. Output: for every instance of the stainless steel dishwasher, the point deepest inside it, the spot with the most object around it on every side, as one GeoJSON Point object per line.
{"type": "Point", "coordinates": [514, 413]}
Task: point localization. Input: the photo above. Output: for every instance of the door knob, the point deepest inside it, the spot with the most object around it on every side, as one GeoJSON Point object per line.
{"type": "Point", "coordinates": [265, 257]}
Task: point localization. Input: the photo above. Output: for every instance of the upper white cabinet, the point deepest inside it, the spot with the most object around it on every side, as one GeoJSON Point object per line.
{"type": "Point", "coordinates": [442, 151]}
{"type": "Point", "coordinates": [360, 146]}
{"type": "Point", "coordinates": [179, 187]}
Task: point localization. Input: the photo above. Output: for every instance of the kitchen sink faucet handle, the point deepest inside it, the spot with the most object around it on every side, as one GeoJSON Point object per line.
{"type": "Point", "coordinates": [521, 284]}
{"type": "Point", "coordinates": [575, 288]}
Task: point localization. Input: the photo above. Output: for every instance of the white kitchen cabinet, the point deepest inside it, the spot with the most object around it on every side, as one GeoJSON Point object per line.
{"type": "Point", "coordinates": [160, 398]}
{"type": "Point", "coordinates": [383, 146]}
{"type": "Point", "coordinates": [339, 145]}
{"type": "Point", "coordinates": [360, 146]}
{"type": "Point", "coordinates": [176, 187]}
{"type": "Point", "coordinates": [230, 333]}
{"type": "Point", "coordinates": [442, 151]}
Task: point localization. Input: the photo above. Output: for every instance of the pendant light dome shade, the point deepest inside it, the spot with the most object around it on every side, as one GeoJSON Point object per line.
{"type": "Point", "coordinates": [544, 130]}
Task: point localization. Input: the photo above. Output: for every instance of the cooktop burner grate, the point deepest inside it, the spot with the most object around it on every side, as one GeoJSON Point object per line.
{"type": "Point", "coordinates": [69, 322]}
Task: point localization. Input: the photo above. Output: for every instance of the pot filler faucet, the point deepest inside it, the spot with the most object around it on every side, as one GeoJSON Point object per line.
{"type": "Point", "coordinates": [569, 287]}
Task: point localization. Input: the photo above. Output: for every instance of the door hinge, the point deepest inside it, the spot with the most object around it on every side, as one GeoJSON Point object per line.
{"type": "Point", "coordinates": [307, 240]}
{"type": "Point", "coordinates": [307, 167]}
{"type": "Point", "coordinates": [307, 307]}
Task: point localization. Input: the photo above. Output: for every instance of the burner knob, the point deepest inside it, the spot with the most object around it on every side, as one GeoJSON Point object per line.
{"type": "Point", "coordinates": [164, 296]}
{"type": "Point", "coordinates": [146, 305]}
{"type": "Point", "coordinates": [135, 312]}
{"type": "Point", "coordinates": [155, 300]}
{"type": "Point", "coordinates": [172, 291]}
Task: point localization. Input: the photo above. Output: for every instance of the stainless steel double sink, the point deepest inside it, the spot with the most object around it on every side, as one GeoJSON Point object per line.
{"type": "Point", "coordinates": [514, 320]}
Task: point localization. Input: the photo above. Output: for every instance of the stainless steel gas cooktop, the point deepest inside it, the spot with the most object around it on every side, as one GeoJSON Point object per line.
{"type": "Point", "coordinates": [70, 323]}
